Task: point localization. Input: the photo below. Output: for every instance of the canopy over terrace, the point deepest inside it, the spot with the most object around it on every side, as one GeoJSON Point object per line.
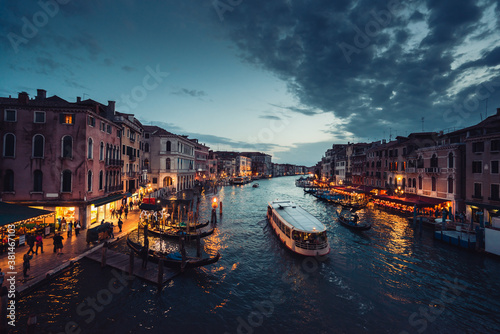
{"type": "Point", "coordinates": [412, 200]}
{"type": "Point", "coordinates": [12, 214]}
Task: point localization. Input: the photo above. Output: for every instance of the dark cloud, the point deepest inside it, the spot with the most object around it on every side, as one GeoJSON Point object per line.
{"type": "Point", "coordinates": [271, 117]}
{"type": "Point", "coordinates": [365, 62]}
{"type": "Point", "coordinates": [189, 92]}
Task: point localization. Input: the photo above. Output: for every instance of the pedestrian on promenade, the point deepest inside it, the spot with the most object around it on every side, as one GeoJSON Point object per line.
{"type": "Point", "coordinates": [26, 264]}
{"type": "Point", "coordinates": [77, 228]}
{"type": "Point", "coordinates": [126, 211]}
{"type": "Point", "coordinates": [131, 204]}
{"type": "Point", "coordinates": [111, 232]}
{"type": "Point", "coordinates": [119, 213]}
{"type": "Point", "coordinates": [63, 224]}
{"type": "Point", "coordinates": [39, 243]}
{"type": "Point", "coordinates": [58, 243]}
{"type": "Point", "coordinates": [31, 242]}
{"type": "Point", "coordinates": [120, 224]}
{"type": "Point", "coordinates": [70, 229]}
{"type": "Point", "coordinates": [112, 213]}
{"type": "Point", "coordinates": [2, 277]}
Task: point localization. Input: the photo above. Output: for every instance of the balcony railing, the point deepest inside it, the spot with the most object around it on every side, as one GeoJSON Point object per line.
{"type": "Point", "coordinates": [129, 174]}
{"type": "Point", "coordinates": [114, 162]}
{"type": "Point", "coordinates": [432, 170]}
{"type": "Point", "coordinates": [411, 170]}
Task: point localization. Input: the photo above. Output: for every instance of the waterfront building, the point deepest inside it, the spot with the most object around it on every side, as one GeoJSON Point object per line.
{"type": "Point", "coordinates": [169, 159]}
{"type": "Point", "coordinates": [213, 171]}
{"type": "Point", "coordinates": [261, 163]}
{"type": "Point", "coordinates": [131, 147]}
{"type": "Point", "coordinates": [201, 153]}
{"type": "Point", "coordinates": [243, 165]}
{"type": "Point", "coordinates": [60, 156]}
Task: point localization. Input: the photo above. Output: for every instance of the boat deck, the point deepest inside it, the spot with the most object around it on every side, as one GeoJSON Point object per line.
{"type": "Point", "coordinates": [457, 238]}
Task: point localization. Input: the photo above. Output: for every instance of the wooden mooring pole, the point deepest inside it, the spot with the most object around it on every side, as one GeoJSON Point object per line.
{"type": "Point", "coordinates": [220, 208]}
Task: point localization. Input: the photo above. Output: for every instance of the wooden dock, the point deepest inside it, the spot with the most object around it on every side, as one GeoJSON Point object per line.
{"type": "Point", "coordinates": [122, 262]}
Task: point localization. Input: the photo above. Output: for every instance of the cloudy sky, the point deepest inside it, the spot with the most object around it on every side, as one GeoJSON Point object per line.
{"type": "Point", "coordinates": [286, 77]}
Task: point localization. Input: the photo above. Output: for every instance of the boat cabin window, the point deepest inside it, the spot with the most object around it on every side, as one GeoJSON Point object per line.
{"type": "Point", "coordinates": [311, 237]}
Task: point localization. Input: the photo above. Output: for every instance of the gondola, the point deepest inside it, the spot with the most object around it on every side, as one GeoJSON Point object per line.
{"type": "Point", "coordinates": [255, 185]}
{"type": "Point", "coordinates": [183, 225]}
{"type": "Point", "coordinates": [177, 233]}
{"type": "Point", "coordinates": [174, 260]}
{"type": "Point", "coordinates": [349, 219]}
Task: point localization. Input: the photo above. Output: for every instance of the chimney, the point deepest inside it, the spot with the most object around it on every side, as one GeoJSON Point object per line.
{"type": "Point", "coordinates": [23, 98]}
{"type": "Point", "coordinates": [78, 99]}
{"type": "Point", "coordinates": [41, 94]}
{"type": "Point", "coordinates": [111, 107]}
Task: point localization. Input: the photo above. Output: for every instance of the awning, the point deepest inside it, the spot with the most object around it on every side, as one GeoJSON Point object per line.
{"type": "Point", "coordinates": [150, 207]}
{"type": "Point", "coordinates": [483, 206]}
{"type": "Point", "coordinates": [12, 213]}
{"type": "Point", "coordinates": [109, 199]}
{"type": "Point", "coordinates": [411, 199]}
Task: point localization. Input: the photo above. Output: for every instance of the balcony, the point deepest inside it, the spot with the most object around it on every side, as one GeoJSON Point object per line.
{"type": "Point", "coordinates": [131, 158]}
{"type": "Point", "coordinates": [411, 170]}
{"type": "Point", "coordinates": [130, 174]}
{"type": "Point", "coordinates": [432, 170]}
{"type": "Point", "coordinates": [114, 162]}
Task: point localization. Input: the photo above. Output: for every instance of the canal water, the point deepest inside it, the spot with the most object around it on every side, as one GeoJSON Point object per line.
{"type": "Point", "coordinates": [390, 279]}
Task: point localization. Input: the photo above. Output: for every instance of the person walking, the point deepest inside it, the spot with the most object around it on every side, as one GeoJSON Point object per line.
{"type": "Point", "coordinates": [63, 224]}
{"type": "Point", "coordinates": [30, 240]}
{"type": "Point", "coordinates": [120, 224]}
{"type": "Point", "coordinates": [39, 243]}
{"type": "Point", "coordinates": [126, 211]}
{"type": "Point", "coordinates": [112, 213]}
{"type": "Point", "coordinates": [111, 232]}
{"type": "Point", "coordinates": [26, 264]}
{"type": "Point", "coordinates": [131, 204]}
{"type": "Point", "coordinates": [77, 228]}
{"type": "Point", "coordinates": [58, 243]}
{"type": "Point", "coordinates": [70, 229]}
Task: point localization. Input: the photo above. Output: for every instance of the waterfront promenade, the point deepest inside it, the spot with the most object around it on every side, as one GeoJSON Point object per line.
{"type": "Point", "coordinates": [50, 263]}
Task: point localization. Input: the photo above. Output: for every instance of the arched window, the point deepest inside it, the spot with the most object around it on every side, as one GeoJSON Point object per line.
{"type": "Point", "coordinates": [101, 174]}
{"type": "Point", "coordinates": [38, 143]}
{"type": "Point", "coordinates": [450, 185]}
{"type": "Point", "coordinates": [90, 149]}
{"type": "Point", "coordinates": [8, 180]}
{"type": "Point", "coordinates": [404, 183]}
{"type": "Point", "coordinates": [146, 147]}
{"type": "Point", "coordinates": [167, 164]}
{"type": "Point", "coordinates": [414, 182]}
{"type": "Point", "coordinates": [420, 182]}
{"type": "Point", "coordinates": [409, 182]}
{"type": "Point", "coordinates": [37, 180]}
{"type": "Point", "coordinates": [390, 181]}
{"type": "Point", "coordinates": [433, 183]}
{"type": "Point", "coordinates": [101, 151]}
{"type": "Point", "coordinates": [9, 145]}
{"type": "Point", "coordinates": [450, 160]}
{"type": "Point", "coordinates": [434, 161]}
{"type": "Point", "coordinates": [66, 181]}
{"type": "Point", "coordinates": [89, 181]}
{"type": "Point", "coordinates": [146, 164]}
{"type": "Point", "coordinates": [67, 147]}
{"type": "Point", "coordinates": [169, 146]}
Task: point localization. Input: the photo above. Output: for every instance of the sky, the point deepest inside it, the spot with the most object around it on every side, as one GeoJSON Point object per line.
{"type": "Point", "coordinates": [289, 78]}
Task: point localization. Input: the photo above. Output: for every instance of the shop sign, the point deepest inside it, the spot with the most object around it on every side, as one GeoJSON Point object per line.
{"type": "Point", "coordinates": [47, 230]}
{"type": "Point", "coordinates": [22, 239]}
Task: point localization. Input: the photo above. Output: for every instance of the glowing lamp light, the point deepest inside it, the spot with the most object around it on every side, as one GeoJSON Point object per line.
{"type": "Point", "coordinates": [214, 203]}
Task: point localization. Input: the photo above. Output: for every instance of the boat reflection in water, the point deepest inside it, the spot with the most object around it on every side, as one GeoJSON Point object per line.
{"type": "Point", "coordinates": [299, 231]}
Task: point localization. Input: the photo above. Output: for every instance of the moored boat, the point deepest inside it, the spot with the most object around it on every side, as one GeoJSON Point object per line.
{"type": "Point", "coordinates": [173, 232]}
{"type": "Point", "coordinates": [300, 231]}
{"type": "Point", "coordinates": [174, 260]}
{"type": "Point", "coordinates": [255, 185]}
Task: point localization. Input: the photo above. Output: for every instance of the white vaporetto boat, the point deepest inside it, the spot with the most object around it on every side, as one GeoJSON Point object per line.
{"type": "Point", "coordinates": [300, 231]}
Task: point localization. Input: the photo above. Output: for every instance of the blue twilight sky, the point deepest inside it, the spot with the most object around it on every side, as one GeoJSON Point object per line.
{"type": "Point", "coordinates": [286, 77]}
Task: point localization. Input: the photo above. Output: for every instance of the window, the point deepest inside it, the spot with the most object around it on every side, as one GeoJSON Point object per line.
{"type": "Point", "coordinates": [450, 185]}
{"type": "Point", "coordinates": [169, 146]}
{"type": "Point", "coordinates": [89, 181]}
{"type": "Point", "coordinates": [101, 174]}
{"type": "Point", "coordinates": [103, 126]}
{"type": "Point", "coordinates": [108, 129]}
{"type": "Point", "coordinates": [10, 115]}
{"type": "Point", "coordinates": [477, 166]}
{"type": "Point", "coordinates": [146, 147]}
{"type": "Point", "coordinates": [167, 164]}
{"type": "Point", "coordinates": [67, 147]}
{"type": "Point", "coordinates": [90, 149]}
{"type": "Point", "coordinates": [494, 167]}
{"type": "Point", "coordinates": [477, 190]}
{"type": "Point", "coordinates": [9, 145]}
{"type": "Point", "coordinates": [146, 135]}
{"type": "Point", "coordinates": [39, 117]}
{"type": "Point", "coordinates": [434, 161]}
{"type": "Point", "coordinates": [478, 147]}
{"type": "Point", "coordinates": [414, 183]}
{"type": "Point", "coordinates": [8, 181]}
{"type": "Point", "coordinates": [123, 150]}
{"type": "Point", "coordinates": [66, 181]}
{"type": "Point", "coordinates": [67, 119]}
{"type": "Point", "coordinates": [91, 121]}
{"type": "Point", "coordinates": [155, 180]}
{"type": "Point", "coordinates": [38, 146]}
{"type": "Point", "coordinates": [420, 182]}
{"type": "Point", "coordinates": [433, 181]}
{"type": "Point", "coordinates": [101, 151]}
{"type": "Point", "coordinates": [37, 180]}
{"type": "Point", "coordinates": [450, 160]}
{"type": "Point", "coordinates": [495, 145]}
{"type": "Point", "coordinates": [495, 192]}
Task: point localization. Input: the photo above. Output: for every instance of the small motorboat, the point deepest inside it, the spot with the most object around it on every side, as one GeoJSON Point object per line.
{"type": "Point", "coordinates": [350, 219]}
{"type": "Point", "coordinates": [255, 185]}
